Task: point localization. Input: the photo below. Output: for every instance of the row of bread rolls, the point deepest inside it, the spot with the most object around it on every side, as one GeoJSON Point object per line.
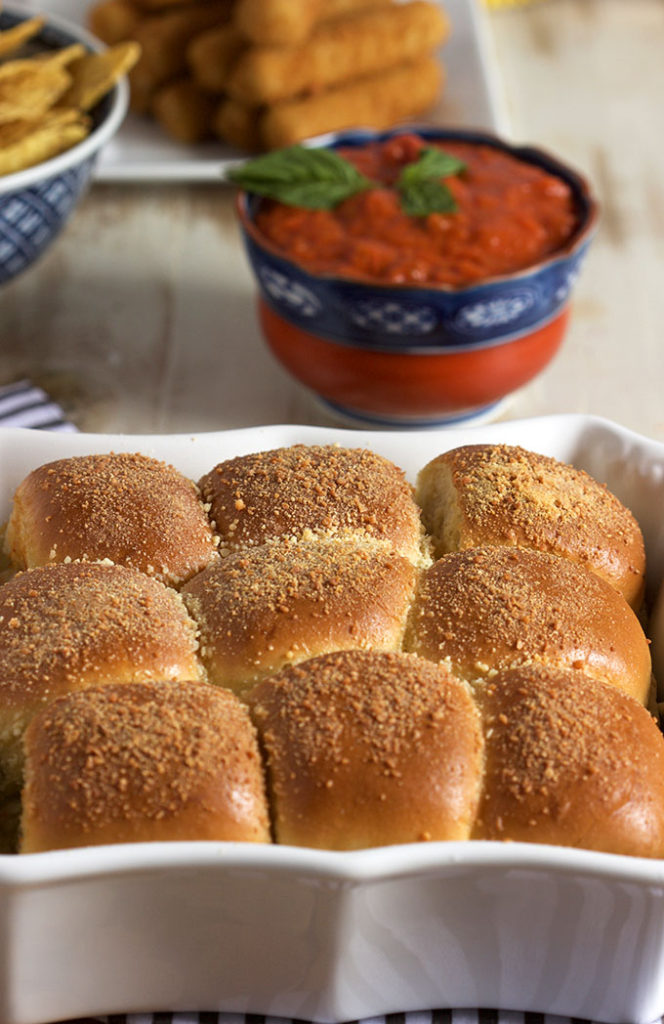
{"type": "Point", "coordinates": [215, 541]}
{"type": "Point", "coordinates": [138, 511]}
{"type": "Point", "coordinates": [270, 75]}
{"type": "Point", "coordinates": [285, 555]}
{"type": "Point", "coordinates": [73, 625]}
{"type": "Point", "coordinates": [349, 750]}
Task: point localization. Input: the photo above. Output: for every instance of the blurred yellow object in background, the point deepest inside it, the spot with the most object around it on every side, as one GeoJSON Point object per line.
{"type": "Point", "coordinates": [507, 3]}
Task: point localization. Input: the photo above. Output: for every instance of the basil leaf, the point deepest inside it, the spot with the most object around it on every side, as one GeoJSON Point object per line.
{"type": "Point", "coordinates": [317, 179]}
{"type": "Point", "coordinates": [419, 198]}
{"type": "Point", "coordinates": [432, 163]}
{"type": "Point", "coordinates": [420, 186]}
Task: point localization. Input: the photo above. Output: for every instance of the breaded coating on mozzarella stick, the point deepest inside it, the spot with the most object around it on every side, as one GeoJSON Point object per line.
{"type": "Point", "coordinates": [184, 110]}
{"type": "Point", "coordinates": [143, 86]}
{"type": "Point", "coordinates": [164, 37]}
{"type": "Point", "coordinates": [338, 51]}
{"type": "Point", "coordinates": [113, 21]}
{"type": "Point", "coordinates": [377, 101]}
{"type": "Point", "coordinates": [238, 125]}
{"type": "Point", "coordinates": [211, 55]}
{"type": "Point", "coordinates": [164, 5]}
{"type": "Point", "coordinates": [289, 22]}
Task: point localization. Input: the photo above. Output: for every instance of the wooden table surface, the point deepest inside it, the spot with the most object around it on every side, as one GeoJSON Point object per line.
{"type": "Point", "coordinates": [141, 318]}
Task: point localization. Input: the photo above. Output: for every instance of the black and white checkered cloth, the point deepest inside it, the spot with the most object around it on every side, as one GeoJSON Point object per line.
{"type": "Point", "coordinates": [419, 1017]}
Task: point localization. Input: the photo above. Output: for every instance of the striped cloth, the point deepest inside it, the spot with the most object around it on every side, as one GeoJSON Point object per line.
{"type": "Point", "coordinates": [24, 405]}
{"type": "Point", "coordinates": [419, 1017]}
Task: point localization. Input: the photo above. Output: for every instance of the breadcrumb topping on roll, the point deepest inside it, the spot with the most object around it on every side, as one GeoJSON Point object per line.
{"type": "Point", "coordinates": [491, 608]}
{"type": "Point", "coordinates": [266, 606]}
{"type": "Point", "coordinates": [128, 508]}
{"type": "Point", "coordinates": [570, 761]}
{"type": "Point", "coordinates": [484, 494]}
{"type": "Point", "coordinates": [67, 627]}
{"type": "Point", "coordinates": [143, 762]}
{"type": "Point", "coordinates": [316, 489]}
{"type": "Point", "coordinates": [496, 693]}
{"type": "Point", "coordinates": [367, 749]}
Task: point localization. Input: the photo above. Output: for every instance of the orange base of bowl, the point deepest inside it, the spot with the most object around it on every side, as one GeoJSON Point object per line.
{"type": "Point", "coordinates": [391, 386]}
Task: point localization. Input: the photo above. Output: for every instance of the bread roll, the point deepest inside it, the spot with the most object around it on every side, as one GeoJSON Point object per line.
{"type": "Point", "coordinates": [502, 494]}
{"type": "Point", "coordinates": [321, 490]}
{"type": "Point", "coordinates": [68, 627]}
{"type": "Point", "coordinates": [264, 607]}
{"type": "Point", "coordinates": [129, 509]}
{"type": "Point", "coordinates": [491, 608]}
{"type": "Point", "coordinates": [142, 762]}
{"type": "Point", "coordinates": [368, 749]}
{"type": "Point", "coordinates": [572, 762]}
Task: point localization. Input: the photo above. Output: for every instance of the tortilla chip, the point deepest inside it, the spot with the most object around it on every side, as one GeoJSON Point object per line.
{"type": "Point", "coordinates": [13, 38]}
{"type": "Point", "coordinates": [29, 88]}
{"type": "Point", "coordinates": [43, 98]}
{"type": "Point", "coordinates": [26, 143]}
{"type": "Point", "coordinates": [61, 58]}
{"type": "Point", "coordinates": [96, 73]}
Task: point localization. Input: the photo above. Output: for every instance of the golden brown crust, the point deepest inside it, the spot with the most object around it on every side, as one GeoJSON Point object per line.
{"type": "Point", "coordinates": [211, 55]}
{"type": "Point", "coordinates": [184, 110]}
{"type": "Point", "coordinates": [367, 749]}
{"type": "Point", "coordinates": [318, 489]}
{"type": "Point", "coordinates": [280, 603]}
{"type": "Point", "coordinates": [338, 51]}
{"type": "Point", "coordinates": [323, 552]}
{"type": "Point", "coordinates": [503, 494]}
{"type": "Point", "coordinates": [67, 627]}
{"type": "Point", "coordinates": [128, 508]}
{"type": "Point", "coordinates": [570, 761]}
{"type": "Point", "coordinates": [491, 608]}
{"type": "Point", "coordinates": [289, 22]}
{"type": "Point", "coordinates": [379, 101]}
{"type": "Point", "coordinates": [142, 762]}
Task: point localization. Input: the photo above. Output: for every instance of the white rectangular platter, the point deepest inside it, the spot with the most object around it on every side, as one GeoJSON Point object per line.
{"type": "Point", "coordinates": [141, 152]}
{"type": "Point", "coordinates": [339, 936]}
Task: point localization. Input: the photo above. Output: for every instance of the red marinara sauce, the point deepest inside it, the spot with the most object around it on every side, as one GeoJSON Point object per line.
{"type": "Point", "coordinates": [510, 215]}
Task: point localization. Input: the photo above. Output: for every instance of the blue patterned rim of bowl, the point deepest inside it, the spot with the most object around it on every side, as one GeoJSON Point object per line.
{"type": "Point", "coordinates": [425, 318]}
{"type": "Point", "coordinates": [36, 203]}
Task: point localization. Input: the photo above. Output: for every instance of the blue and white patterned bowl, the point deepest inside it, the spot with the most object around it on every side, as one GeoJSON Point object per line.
{"type": "Point", "coordinates": [400, 354]}
{"type": "Point", "coordinates": [36, 203]}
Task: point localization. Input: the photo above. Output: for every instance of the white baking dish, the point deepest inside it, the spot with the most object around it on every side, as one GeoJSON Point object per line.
{"type": "Point", "coordinates": [337, 936]}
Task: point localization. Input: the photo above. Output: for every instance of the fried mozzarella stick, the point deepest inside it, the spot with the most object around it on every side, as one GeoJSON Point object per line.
{"type": "Point", "coordinates": [184, 110]}
{"type": "Point", "coordinates": [142, 87]}
{"type": "Point", "coordinates": [237, 125]}
{"type": "Point", "coordinates": [377, 101]}
{"type": "Point", "coordinates": [114, 21]}
{"type": "Point", "coordinates": [164, 37]}
{"type": "Point", "coordinates": [338, 51]}
{"type": "Point", "coordinates": [289, 22]}
{"type": "Point", "coordinates": [162, 5]}
{"type": "Point", "coordinates": [211, 55]}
